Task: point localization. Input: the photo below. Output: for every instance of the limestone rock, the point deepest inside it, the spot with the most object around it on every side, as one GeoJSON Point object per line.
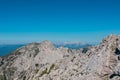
{"type": "Point", "coordinates": [42, 61]}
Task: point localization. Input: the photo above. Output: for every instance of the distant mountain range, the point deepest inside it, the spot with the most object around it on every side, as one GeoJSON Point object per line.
{"type": "Point", "coordinates": [72, 45]}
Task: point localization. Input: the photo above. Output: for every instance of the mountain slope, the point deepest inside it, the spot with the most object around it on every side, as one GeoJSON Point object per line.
{"type": "Point", "coordinates": [8, 48]}
{"type": "Point", "coordinates": [42, 61]}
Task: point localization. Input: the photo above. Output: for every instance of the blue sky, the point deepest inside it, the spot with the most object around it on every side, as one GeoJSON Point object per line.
{"type": "Point", "coordinates": [58, 20]}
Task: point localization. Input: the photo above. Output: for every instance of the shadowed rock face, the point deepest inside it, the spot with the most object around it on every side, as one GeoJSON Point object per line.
{"type": "Point", "coordinates": [42, 61]}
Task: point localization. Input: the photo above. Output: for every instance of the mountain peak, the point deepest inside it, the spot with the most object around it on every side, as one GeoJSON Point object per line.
{"type": "Point", "coordinates": [110, 42]}
{"type": "Point", "coordinates": [46, 44]}
{"type": "Point", "coordinates": [111, 39]}
{"type": "Point", "coordinates": [41, 61]}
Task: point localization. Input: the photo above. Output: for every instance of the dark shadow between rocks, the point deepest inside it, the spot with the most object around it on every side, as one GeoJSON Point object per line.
{"type": "Point", "coordinates": [117, 51]}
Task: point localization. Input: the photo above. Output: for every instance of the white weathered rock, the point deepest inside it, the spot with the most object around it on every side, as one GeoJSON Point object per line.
{"type": "Point", "coordinates": [42, 61]}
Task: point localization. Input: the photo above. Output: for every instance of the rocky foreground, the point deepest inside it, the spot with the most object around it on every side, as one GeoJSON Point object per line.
{"type": "Point", "coordinates": [42, 61]}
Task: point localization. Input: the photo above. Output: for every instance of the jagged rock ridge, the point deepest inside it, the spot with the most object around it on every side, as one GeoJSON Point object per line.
{"type": "Point", "coordinates": [42, 61]}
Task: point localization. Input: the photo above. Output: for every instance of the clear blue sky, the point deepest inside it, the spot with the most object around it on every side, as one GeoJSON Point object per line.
{"type": "Point", "coordinates": [58, 20]}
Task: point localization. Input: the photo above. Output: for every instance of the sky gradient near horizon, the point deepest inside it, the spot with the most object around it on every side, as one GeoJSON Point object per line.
{"type": "Point", "coordinates": [58, 20]}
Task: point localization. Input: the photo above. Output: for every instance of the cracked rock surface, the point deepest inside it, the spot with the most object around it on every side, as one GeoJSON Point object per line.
{"type": "Point", "coordinates": [42, 61]}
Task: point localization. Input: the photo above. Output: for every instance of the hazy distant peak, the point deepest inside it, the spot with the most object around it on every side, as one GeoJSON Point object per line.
{"type": "Point", "coordinates": [68, 42]}
{"type": "Point", "coordinates": [73, 45]}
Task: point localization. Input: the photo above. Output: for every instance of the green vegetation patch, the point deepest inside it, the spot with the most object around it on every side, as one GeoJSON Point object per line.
{"type": "Point", "coordinates": [46, 71]}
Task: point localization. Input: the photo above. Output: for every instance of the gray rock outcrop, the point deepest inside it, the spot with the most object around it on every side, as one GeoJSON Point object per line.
{"type": "Point", "coordinates": [42, 61]}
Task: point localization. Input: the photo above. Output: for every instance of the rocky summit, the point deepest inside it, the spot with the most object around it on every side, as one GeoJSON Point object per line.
{"type": "Point", "coordinates": [42, 61]}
